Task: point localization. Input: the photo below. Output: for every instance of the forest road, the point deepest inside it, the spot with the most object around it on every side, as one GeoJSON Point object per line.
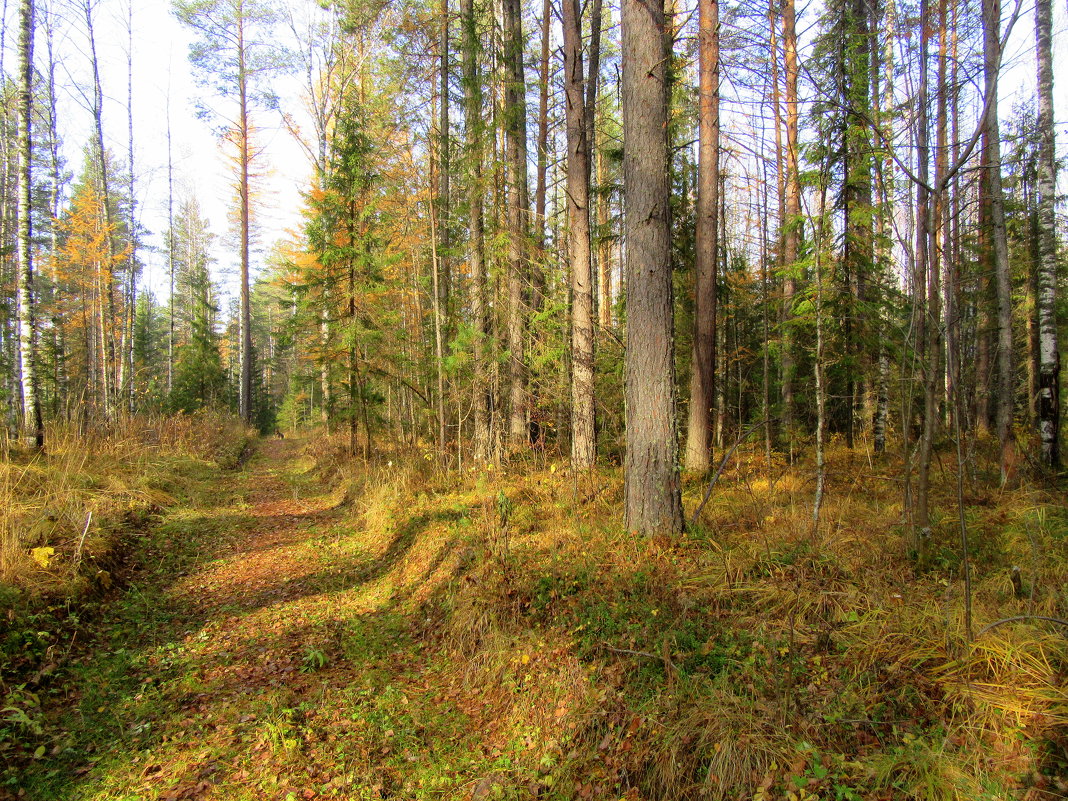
{"type": "Point", "coordinates": [236, 663]}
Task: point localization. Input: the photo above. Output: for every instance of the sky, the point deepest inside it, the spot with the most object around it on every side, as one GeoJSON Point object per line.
{"type": "Point", "coordinates": [164, 86]}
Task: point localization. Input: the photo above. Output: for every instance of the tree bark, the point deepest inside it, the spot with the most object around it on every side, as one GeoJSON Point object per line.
{"type": "Point", "coordinates": [703, 369]}
{"type": "Point", "coordinates": [107, 289]}
{"type": "Point", "coordinates": [518, 217]}
{"type": "Point", "coordinates": [537, 293]}
{"type": "Point", "coordinates": [32, 424]}
{"type": "Point", "coordinates": [480, 385]}
{"type": "Point", "coordinates": [1004, 394]}
{"type": "Point", "coordinates": [170, 253]}
{"type": "Point", "coordinates": [792, 222]}
{"type": "Point", "coordinates": [653, 502]}
{"type": "Point", "coordinates": [924, 281]}
{"type": "Point", "coordinates": [883, 74]}
{"type": "Point", "coordinates": [126, 366]}
{"type": "Point", "coordinates": [444, 197]}
{"type": "Point", "coordinates": [243, 132]}
{"type": "Point", "coordinates": [858, 254]}
{"type": "Point", "coordinates": [583, 442]}
{"type": "Point", "coordinates": [1049, 367]}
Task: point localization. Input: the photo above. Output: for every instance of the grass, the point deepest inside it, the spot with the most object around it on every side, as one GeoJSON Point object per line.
{"type": "Point", "coordinates": [61, 511]}
{"type": "Point", "coordinates": [69, 519]}
{"type": "Point", "coordinates": [313, 628]}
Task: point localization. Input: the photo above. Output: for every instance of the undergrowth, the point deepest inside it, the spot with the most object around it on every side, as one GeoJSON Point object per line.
{"type": "Point", "coordinates": [494, 634]}
{"type": "Point", "coordinates": [759, 656]}
{"type": "Point", "coordinates": [62, 510]}
{"type": "Point", "coordinates": [68, 519]}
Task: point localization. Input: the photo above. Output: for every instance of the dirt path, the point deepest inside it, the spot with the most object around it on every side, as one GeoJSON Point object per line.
{"type": "Point", "coordinates": [247, 660]}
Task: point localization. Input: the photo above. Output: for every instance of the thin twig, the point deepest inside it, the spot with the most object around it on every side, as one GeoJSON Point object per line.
{"type": "Point", "coordinates": [646, 654]}
{"type": "Point", "coordinates": [81, 539]}
{"type": "Point", "coordinates": [722, 465]}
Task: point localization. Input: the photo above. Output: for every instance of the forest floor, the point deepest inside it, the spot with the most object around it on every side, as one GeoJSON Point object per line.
{"type": "Point", "coordinates": [292, 633]}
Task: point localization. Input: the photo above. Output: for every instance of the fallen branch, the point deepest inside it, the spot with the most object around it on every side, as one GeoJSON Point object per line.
{"type": "Point", "coordinates": [81, 540]}
{"type": "Point", "coordinates": [662, 658]}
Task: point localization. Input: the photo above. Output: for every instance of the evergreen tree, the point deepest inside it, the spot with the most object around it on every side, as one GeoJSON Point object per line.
{"type": "Point", "coordinates": [199, 379]}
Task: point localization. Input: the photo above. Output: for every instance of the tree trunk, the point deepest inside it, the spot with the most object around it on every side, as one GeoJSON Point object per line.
{"type": "Point", "coordinates": [518, 216]}
{"type": "Point", "coordinates": [653, 502]}
{"type": "Point", "coordinates": [480, 385]}
{"type": "Point", "coordinates": [327, 400]}
{"type": "Point", "coordinates": [444, 197]}
{"type": "Point", "coordinates": [107, 289]}
{"type": "Point", "coordinates": [32, 425]}
{"type": "Point", "coordinates": [1049, 367]}
{"type": "Point", "coordinates": [595, 202]}
{"type": "Point", "coordinates": [818, 367]}
{"type": "Point", "coordinates": [984, 316]}
{"type": "Point", "coordinates": [245, 392]}
{"type": "Point", "coordinates": [55, 198]}
{"type": "Point", "coordinates": [603, 240]}
{"type": "Point", "coordinates": [537, 294]}
{"type": "Point", "coordinates": [1004, 394]}
{"type": "Point", "coordinates": [883, 74]}
{"type": "Point", "coordinates": [925, 284]}
{"type": "Point", "coordinates": [703, 370]}
{"type": "Point", "coordinates": [439, 354]}
{"type": "Point", "coordinates": [858, 248]}
{"type": "Point", "coordinates": [583, 442]}
{"type": "Point", "coordinates": [170, 254]}
{"type": "Point", "coordinates": [792, 222]}
{"type": "Point", "coordinates": [126, 376]}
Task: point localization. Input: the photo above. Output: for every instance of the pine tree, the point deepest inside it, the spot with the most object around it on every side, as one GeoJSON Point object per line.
{"type": "Point", "coordinates": [653, 502]}
{"type": "Point", "coordinates": [233, 54]}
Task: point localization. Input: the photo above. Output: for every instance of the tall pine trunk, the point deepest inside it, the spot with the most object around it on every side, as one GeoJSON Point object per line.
{"type": "Point", "coordinates": [126, 365]}
{"type": "Point", "coordinates": [996, 215]}
{"type": "Point", "coordinates": [518, 216]}
{"type": "Point", "coordinates": [480, 385]}
{"type": "Point", "coordinates": [244, 154]}
{"type": "Point", "coordinates": [537, 290]}
{"type": "Point", "coordinates": [583, 443]}
{"type": "Point", "coordinates": [883, 75]}
{"type": "Point", "coordinates": [859, 251]}
{"type": "Point", "coordinates": [791, 224]}
{"type": "Point", "coordinates": [107, 288]}
{"type": "Point", "coordinates": [925, 284]}
{"type": "Point", "coordinates": [653, 501]}
{"type": "Point", "coordinates": [703, 370]}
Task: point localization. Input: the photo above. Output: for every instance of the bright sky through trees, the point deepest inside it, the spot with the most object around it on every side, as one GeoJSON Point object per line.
{"type": "Point", "coordinates": [162, 83]}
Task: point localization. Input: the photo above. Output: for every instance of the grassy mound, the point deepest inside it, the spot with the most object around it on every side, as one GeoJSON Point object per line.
{"type": "Point", "coordinates": [68, 519]}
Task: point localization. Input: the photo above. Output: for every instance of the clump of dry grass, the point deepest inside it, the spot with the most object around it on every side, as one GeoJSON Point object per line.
{"type": "Point", "coordinates": [62, 511]}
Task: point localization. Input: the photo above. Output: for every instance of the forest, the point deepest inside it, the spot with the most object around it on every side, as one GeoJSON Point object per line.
{"type": "Point", "coordinates": [649, 400]}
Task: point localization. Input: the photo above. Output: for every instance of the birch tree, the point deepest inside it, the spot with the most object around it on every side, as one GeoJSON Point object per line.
{"type": "Point", "coordinates": [1049, 367]}
{"type": "Point", "coordinates": [32, 425]}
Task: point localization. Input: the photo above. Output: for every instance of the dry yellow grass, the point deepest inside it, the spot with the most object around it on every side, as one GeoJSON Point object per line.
{"type": "Point", "coordinates": [858, 676]}
{"type": "Point", "coordinates": [62, 511]}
